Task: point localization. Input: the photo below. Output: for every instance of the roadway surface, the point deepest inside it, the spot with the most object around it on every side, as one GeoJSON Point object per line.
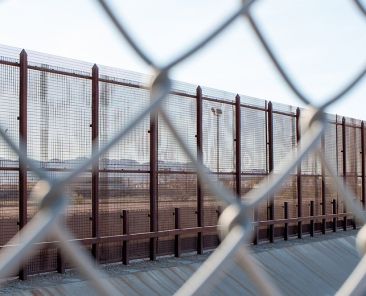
{"type": "Point", "coordinates": [310, 266]}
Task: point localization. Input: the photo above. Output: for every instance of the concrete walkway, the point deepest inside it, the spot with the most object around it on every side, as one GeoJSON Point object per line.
{"type": "Point", "coordinates": [311, 266]}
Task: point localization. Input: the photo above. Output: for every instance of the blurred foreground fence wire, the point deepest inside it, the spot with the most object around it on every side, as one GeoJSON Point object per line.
{"type": "Point", "coordinates": [132, 170]}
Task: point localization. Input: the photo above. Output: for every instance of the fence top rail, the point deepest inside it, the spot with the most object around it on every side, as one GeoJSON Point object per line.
{"type": "Point", "coordinates": [80, 69]}
{"type": "Point", "coordinates": [212, 95]}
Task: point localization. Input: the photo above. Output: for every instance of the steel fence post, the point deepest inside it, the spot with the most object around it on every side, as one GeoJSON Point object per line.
{"type": "Point", "coordinates": [23, 107]}
{"type": "Point", "coordinates": [177, 241]}
{"type": "Point", "coordinates": [312, 221]}
{"type": "Point", "coordinates": [200, 206]}
{"type": "Point", "coordinates": [153, 183]}
{"type": "Point", "coordinates": [344, 167]}
{"type": "Point", "coordinates": [323, 203]}
{"type": "Point", "coordinates": [238, 146]}
{"type": "Point", "coordinates": [285, 215]}
{"type": "Point", "coordinates": [95, 169]}
{"type": "Point", "coordinates": [334, 204]}
{"type": "Point", "coordinates": [60, 261]}
{"type": "Point", "coordinates": [270, 167]}
{"type": "Point", "coordinates": [298, 177]}
{"type": "Point", "coordinates": [125, 222]}
{"type": "Point", "coordinates": [363, 198]}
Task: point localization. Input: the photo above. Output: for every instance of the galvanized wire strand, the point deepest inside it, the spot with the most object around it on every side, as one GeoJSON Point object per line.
{"type": "Point", "coordinates": [361, 75]}
{"type": "Point", "coordinates": [356, 282]}
{"type": "Point", "coordinates": [203, 280]}
{"type": "Point", "coordinates": [84, 263]}
{"type": "Point", "coordinates": [259, 277]}
{"type": "Point", "coordinates": [360, 6]}
{"type": "Point", "coordinates": [244, 7]}
{"type": "Point", "coordinates": [117, 23]}
{"type": "Point", "coordinates": [290, 82]}
{"type": "Point", "coordinates": [242, 10]}
{"type": "Point", "coordinates": [275, 61]}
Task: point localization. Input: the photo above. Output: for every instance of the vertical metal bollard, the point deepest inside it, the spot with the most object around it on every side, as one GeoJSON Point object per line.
{"type": "Point", "coordinates": [363, 169]}
{"type": "Point", "coordinates": [334, 202]}
{"type": "Point", "coordinates": [23, 98]}
{"type": "Point", "coordinates": [298, 177]}
{"type": "Point", "coordinates": [285, 214]}
{"type": "Point", "coordinates": [177, 240]}
{"type": "Point", "coordinates": [153, 183]}
{"type": "Point", "coordinates": [126, 230]}
{"type": "Point", "coordinates": [95, 169]}
{"type": "Point", "coordinates": [312, 221]}
{"type": "Point", "coordinates": [270, 167]}
{"type": "Point", "coordinates": [200, 208]}
{"type": "Point", "coordinates": [60, 262]}
{"type": "Point", "coordinates": [323, 203]}
{"type": "Point", "coordinates": [238, 146]}
{"type": "Point", "coordinates": [344, 148]}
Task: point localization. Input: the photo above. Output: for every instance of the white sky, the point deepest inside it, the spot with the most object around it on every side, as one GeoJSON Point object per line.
{"type": "Point", "coordinates": [321, 42]}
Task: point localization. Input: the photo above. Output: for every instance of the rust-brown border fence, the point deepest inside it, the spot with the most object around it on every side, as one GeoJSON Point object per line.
{"type": "Point", "coordinates": [143, 198]}
{"type": "Point", "coordinates": [290, 144]}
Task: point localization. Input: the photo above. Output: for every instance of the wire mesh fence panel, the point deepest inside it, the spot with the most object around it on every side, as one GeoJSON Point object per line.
{"type": "Point", "coordinates": [218, 119]}
{"type": "Point", "coordinates": [331, 148]}
{"type": "Point", "coordinates": [39, 61]}
{"type": "Point", "coordinates": [59, 117]}
{"type": "Point", "coordinates": [189, 220]}
{"type": "Point", "coordinates": [9, 209]}
{"type": "Point", "coordinates": [139, 222]}
{"type": "Point", "coordinates": [284, 139]}
{"type": "Point", "coordinates": [166, 222]}
{"type": "Point", "coordinates": [253, 145]}
{"type": "Point", "coordinates": [311, 189]}
{"type": "Point", "coordinates": [211, 217]}
{"type": "Point", "coordinates": [44, 260]}
{"type": "Point", "coordinates": [341, 163]}
{"type": "Point", "coordinates": [353, 153]}
{"type": "Point", "coordinates": [176, 183]}
{"type": "Point", "coordinates": [9, 111]}
{"type": "Point", "coordinates": [118, 106]}
{"type": "Point", "coordinates": [123, 170]}
{"type": "Point", "coordinates": [254, 154]}
{"type": "Point", "coordinates": [182, 113]}
{"type": "Point", "coordinates": [218, 143]}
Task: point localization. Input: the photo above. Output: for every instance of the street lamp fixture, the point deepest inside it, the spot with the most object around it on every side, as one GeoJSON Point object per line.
{"type": "Point", "coordinates": [216, 111]}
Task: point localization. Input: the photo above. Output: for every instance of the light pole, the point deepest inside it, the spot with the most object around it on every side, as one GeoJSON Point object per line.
{"type": "Point", "coordinates": [217, 112]}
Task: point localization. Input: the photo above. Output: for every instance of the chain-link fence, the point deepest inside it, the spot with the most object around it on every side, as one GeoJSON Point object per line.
{"type": "Point", "coordinates": [51, 192]}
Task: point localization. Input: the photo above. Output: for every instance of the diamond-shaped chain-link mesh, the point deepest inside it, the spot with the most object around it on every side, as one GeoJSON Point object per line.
{"type": "Point", "coordinates": [235, 223]}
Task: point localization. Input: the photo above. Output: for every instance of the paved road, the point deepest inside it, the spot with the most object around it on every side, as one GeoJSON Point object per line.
{"type": "Point", "coordinates": [311, 266]}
